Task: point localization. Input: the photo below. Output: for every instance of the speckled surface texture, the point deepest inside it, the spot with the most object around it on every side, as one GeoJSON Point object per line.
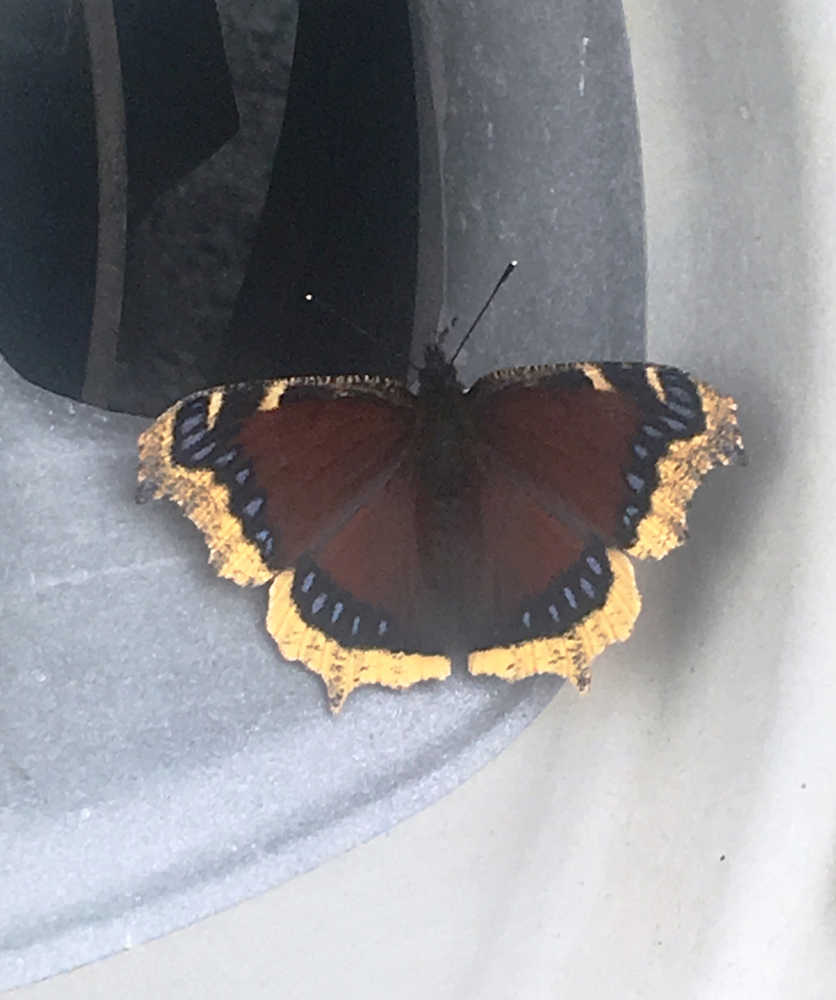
{"type": "Point", "coordinates": [159, 761]}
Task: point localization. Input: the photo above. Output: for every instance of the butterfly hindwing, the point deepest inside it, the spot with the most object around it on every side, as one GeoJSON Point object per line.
{"type": "Point", "coordinates": [355, 609]}
{"type": "Point", "coordinates": [552, 594]}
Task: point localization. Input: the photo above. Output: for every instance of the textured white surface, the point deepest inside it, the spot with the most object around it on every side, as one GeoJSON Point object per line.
{"type": "Point", "coordinates": [672, 834]}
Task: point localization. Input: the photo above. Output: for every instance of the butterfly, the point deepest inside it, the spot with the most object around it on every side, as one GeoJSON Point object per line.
{"type": "Point", "coordinates": [399, 530]}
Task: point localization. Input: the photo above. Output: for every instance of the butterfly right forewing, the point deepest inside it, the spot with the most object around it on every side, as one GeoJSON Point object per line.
{"type": "Point", "coordinates": [622, 446]}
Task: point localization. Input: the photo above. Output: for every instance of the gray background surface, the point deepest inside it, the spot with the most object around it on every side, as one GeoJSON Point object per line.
{"type": "Point", "coordinates": [159, 761]}
{"type": "Point", "coordinates": [671, 834]}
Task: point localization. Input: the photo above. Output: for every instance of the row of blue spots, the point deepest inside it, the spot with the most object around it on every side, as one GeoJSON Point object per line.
{"type": "Point", "coordinates": [682, 402]}
{"type": "Point", "coordinates": [321, 600]}
{"type": "Point", "coordinates": [629, 515]}
{"type": "Point", "coordinates": [569, 594]}
{"type": "Point", "coordinates": [195, 443]}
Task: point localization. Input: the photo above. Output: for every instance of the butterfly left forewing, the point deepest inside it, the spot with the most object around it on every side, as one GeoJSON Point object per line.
{"type": "Point", "coordinates": [264, 468]}
{"type": "Point", "coordinates": [303, 481]}
{"type": "Point", "coordinates": [174, 455]}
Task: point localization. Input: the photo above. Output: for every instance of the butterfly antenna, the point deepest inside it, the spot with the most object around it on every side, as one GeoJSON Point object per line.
{"type": "Point", "coordinates": [502, 279]}
{"type": "Point", "coordinates": [327, 307]}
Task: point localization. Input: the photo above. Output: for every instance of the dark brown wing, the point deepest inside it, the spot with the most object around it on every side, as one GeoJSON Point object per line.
{"type": "Point", "coordinates": [306, 482]}
{"type": "Point", "coordinates": [579, 462]}
{"type": "Point", "coordinates": [622, 446]}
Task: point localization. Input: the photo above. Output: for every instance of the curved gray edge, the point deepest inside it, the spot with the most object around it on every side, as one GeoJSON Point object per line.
{"type": "Point", "coordinates": [159, 760]}
{"type": "Point", "coordinates": [537, 142]}
{"type": "Point", "coordinates": [106, 74]}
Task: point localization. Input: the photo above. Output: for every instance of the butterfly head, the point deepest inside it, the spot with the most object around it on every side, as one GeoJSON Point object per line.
{"type": "Point", "coordinates": [438, 373]}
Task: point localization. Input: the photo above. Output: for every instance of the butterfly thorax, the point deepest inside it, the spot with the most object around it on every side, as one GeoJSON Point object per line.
{"type": "Point", "coordinates": [447, 492]}
{"type": "Point", "coordinates": [438, 375]}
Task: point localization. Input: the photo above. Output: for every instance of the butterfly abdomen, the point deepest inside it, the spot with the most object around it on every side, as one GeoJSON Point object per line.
{"type": "Point", "coordinates": [447, 511]}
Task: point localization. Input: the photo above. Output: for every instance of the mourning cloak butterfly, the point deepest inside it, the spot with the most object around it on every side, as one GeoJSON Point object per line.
{"type": "Point", "coordinates": [400, 529]}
